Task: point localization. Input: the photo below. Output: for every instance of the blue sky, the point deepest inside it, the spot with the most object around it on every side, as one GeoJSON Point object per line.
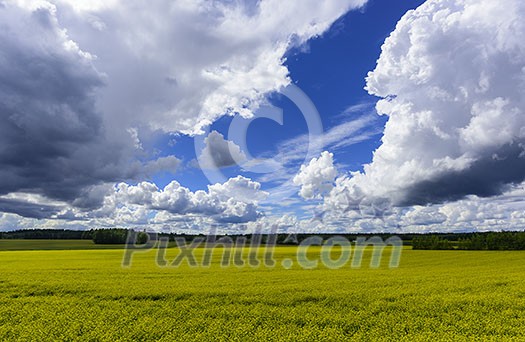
{"type": "Point", "coordinates": [331, 70]}
{"type": "Point", "coordinates": [396, 115]}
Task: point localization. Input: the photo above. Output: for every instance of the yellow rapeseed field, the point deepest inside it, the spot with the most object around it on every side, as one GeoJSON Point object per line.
{"type": "Point", "coordinates": [432, 296]}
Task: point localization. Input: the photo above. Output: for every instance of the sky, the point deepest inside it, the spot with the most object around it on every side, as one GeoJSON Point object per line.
{"type": "Point", "coordinates": [335, 116]}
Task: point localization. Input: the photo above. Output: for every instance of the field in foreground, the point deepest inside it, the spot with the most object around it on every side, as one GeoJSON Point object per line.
{"type": "Point", "coordinates": [433, 295]}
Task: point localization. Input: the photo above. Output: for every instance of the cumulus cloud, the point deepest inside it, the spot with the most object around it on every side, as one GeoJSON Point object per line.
{"type": "Point", "coordinates": [452, 81]}
{"type": "Point", "coordinates": [317, 178]}
{"type": "Point", "coordinates": [292, 152]}
{"type": "Point", "coordinates": [162, 164]}
{"type": "Point", "coordinates": [201, 59]}
{"type": "Point", "coordinates": [472, 213]}
{"type": "Point", "coordinates": [235, 200]}
{"type": "Point", "coordinates": [219, 152]}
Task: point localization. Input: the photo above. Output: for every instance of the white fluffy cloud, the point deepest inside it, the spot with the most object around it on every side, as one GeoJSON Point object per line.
{"type": "Point", "coordinates": [200, 59]}
{"type": "Point", "coordinates": [233, 201]}
{"type": "Point", "coordinates": [473, 213]}
{"type": "Point", "coordinates": [452, 79]}
{"type": "Point", "coordinates": [317, 178]}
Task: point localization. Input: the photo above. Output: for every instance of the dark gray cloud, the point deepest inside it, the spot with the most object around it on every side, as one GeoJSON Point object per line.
{"type": "Point", "coordinates": [26, 209]}
{"type": "Point", "coordinates": [47, 110]}
{"type": "Point", "coordinates": [219, 152]}
{"type": "Point", "coordinates": [53, 141]}
{"type": "Point", "coordinates": [489, 176]}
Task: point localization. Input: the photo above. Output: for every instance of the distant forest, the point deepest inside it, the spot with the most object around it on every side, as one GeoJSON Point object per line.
{"type": "Point", "coordinates": [479, 241]}
{"type": "Point", "coordinates": [429, 241]}
{"type": "Point", "coordinates": [48, 234]}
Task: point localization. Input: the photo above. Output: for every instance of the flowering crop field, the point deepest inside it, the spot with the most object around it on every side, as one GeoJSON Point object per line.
{"type": "Point", "coordinates": [432, 296]}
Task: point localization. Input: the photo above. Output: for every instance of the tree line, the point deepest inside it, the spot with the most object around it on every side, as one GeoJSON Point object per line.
{"type": "Point", "coordinates": [48, 234]}
{"type": "Point", "coordinates": [491, 241]}
{"type": "Point", "coordinates": [505, 240]}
